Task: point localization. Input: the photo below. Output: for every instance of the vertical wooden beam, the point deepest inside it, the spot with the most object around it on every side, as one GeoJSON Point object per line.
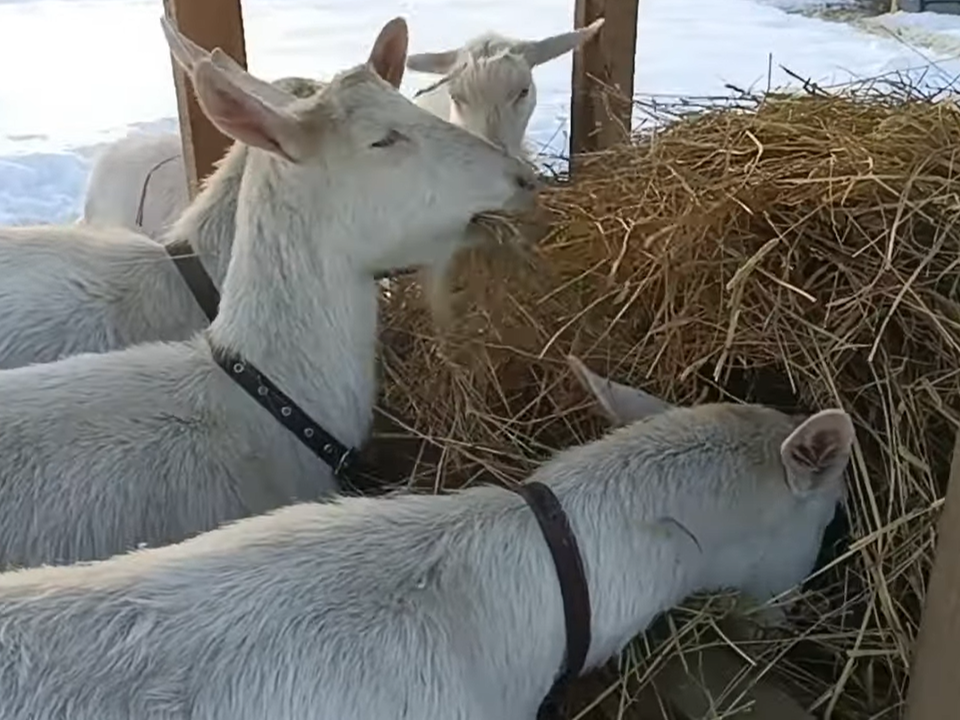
{"type": "Point", "coordinates": [934, 692]}
{"type": "Point", "coordinates": [608, 59]}
{"type": "Point", "coordinates": [210, 24]}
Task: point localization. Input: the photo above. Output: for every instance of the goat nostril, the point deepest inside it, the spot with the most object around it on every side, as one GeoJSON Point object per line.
{"type": "Point", "coordinates": [526, 183]}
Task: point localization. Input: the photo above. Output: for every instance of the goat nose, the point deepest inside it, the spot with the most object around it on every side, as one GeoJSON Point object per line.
{"type": "Point", "coordinates": [527, 178]}
{"type": "Point", "coordinates": [528, 182]}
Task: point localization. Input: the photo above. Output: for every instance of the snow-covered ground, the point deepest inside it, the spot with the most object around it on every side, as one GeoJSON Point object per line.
{"type": "Point", "coordinates": [931, 34]}
{"type": "Point", "coordinates": [79, 73]}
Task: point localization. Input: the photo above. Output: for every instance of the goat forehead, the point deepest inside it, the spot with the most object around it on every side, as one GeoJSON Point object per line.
{"type": "Point", "coordinates": [756, 426]}
{"type": "Point", "coordinates": [376, 106]}
{"type": "Point", "coordinates": [488, 45]}
{"type": "Point", "coordinates": [720, 437]}
{"type": "Point", "coordinates": [359, 84]}
{"type": "Point", "coordinates": [372, 105]}
{"type": "Point", "coordinates": [360, 93]}
{"type": "Point", "coordinates": [502, 75]}
{"type": "Point", "coordinates": [298, 86]}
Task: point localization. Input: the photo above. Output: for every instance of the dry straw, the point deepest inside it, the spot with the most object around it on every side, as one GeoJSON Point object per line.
{"type": "Point", "coordinates": [800, 251]}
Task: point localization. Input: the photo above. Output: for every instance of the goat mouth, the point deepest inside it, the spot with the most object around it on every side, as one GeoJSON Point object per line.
{"type": "Point", "coordinates": [513, 227]}
{"type": "Point", "coordinates": [395, 274]}
{"type": "Point", "coordinates": [501, 226]}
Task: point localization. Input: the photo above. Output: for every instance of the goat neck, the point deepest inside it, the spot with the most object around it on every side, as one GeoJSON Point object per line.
{"type": "Point", "coordinates": [209, 222]}
{"type": "Point", "coordinates": [305, 316]}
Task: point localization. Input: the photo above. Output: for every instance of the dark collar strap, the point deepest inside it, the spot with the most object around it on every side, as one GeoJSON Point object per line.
{"type": "Point", "coordinates": [194, 274]}
{"type": "Point", "coordinates": [342, 460]}
{"type": "Point", "coordinates": [202, 287]}
{"type": "Point", "coordinates": [573, 589]}
{"type": "Point", "coordinates": [143, 189]}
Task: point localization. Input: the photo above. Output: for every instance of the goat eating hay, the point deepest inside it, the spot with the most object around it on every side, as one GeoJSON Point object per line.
{"type": "Point", "coordinates": [800, 252]}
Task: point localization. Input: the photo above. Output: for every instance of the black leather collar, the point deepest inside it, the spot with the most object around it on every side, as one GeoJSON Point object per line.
{"type": "Point", "coordinates": [343, 460]}
{"type": "Point", "coordinates": [556, 530]}
{"type": "Point", "coordinates": [195, 276]}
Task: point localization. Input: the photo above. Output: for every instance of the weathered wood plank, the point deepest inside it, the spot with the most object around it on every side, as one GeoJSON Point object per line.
{"type": "Point", "coordinates": [608, 59]}
{"type": "Point", "coordinates": [934, 692]}
{"type": "Point", "coordinates": [210, 24]}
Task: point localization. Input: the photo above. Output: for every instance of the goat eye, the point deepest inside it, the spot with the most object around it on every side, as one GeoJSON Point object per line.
{"type": "Point", "coordinates": [391, 138]}
{"type": "Point", "coordinates": [523, 93]}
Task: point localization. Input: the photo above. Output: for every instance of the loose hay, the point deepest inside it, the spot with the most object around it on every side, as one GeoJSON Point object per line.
{"type": "Point", "coordinates": [800, 252]}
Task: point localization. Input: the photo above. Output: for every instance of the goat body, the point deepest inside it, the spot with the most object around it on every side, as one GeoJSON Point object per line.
{"type": "Point", "coordinates": [138, 182]}
{"type": "Point", "coordinates": [73, 289]}
{"type": "Point", "coordinates": [151, 444]}
{"type": "Point", "coordinates": [423, 607]}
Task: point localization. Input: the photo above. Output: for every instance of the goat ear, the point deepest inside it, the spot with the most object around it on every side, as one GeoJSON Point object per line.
{"type": "Point", "coordinates": [436, 63]}
{"type": "Point", "coordinates": [389, 55]}
{"type": "Point", "coordinates": [188, 54]}
{"type": "Point", "coordinates": [621, 404]}
{"type": "Point", "coordinates": [184, 50]}
{"type": "Point", "coordinates": [268, 92]}
{"type": "Point", "coordinates": [817, 452]}
{"type": "Point", "coordinates": [537, 53]}
{"type": "Point", "coordinates": [240, 114]}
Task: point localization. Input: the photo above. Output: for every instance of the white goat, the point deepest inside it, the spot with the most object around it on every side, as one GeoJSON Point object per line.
{"type": "Point", "coordinates": [494, 95]}
{"type": "Point", "coordinates": [424, 607]}
{"type": "Point", "coordinates": [139, 182]}
{"type": "Point", "coordinates": [487, 85]}
{"type": "Point", "coordinates": [100, 452]}
{"type": "Point", "coordinates": [73, 288]}
{"type": "Point", "coordinates": [129, 172]}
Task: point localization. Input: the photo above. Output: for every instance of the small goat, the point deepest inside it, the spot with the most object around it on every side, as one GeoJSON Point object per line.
{"type": "Point", "coordinates": [425, 607]}
{"type": "Point", "coordinates": [100, 452]}
{"type": "Point", "coordinates": [139, 182]}
{"type": "Point", "coordinates": [488, 85]}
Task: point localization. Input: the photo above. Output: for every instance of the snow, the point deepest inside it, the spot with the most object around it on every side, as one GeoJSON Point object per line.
{"type": "Point", "coordinates": [809, 5]}
{"type": "Point", "coordinates": [929, 33]}
{"type": "Point", "coordinates": [80, 73]}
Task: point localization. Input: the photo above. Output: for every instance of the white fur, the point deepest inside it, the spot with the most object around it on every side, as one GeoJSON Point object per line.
{"type": "Point", "coordinates": [493, 70]}
{"type": "Point", "coordinates": [151, 167]}
{"type": "Point", "coordinates": [99, 452]}
{"type": "Point", "coordinates": [488, 85]}
{"type": "Point", "coordinates": [421, 607]}
{"type": "Point", "coordinates": [141, 165]}
{"type": "Point", "coordinates": [78, 288]}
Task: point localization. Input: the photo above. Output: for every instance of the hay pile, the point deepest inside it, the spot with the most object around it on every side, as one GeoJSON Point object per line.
{"type": "Point", "coordinates": [799, 251]}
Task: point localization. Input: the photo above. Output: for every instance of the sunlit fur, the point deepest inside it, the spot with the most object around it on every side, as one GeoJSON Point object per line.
{"type": "Point", "coordinates": [416, 607]}
{"type": "Point", "coordinates": [100, 452]}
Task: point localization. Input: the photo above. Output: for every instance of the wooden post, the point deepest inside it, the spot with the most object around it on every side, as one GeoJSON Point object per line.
{"type": "Point", "coordinates": [210, 24]}
{"type": "Point", "coordinates": [608, 59]}
{"type": "Point", "coordinates": [934, 692]}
